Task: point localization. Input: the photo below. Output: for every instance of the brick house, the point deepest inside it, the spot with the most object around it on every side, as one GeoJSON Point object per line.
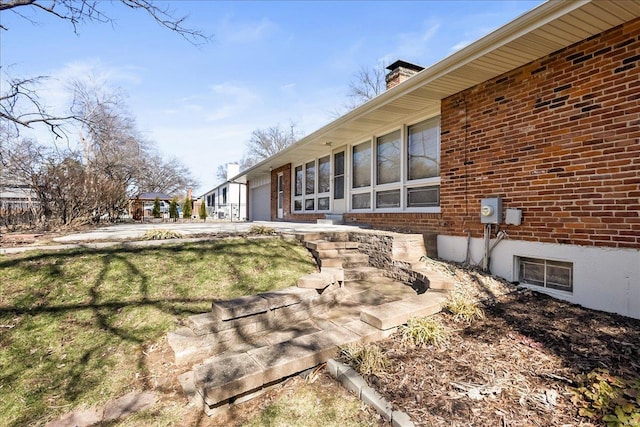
{"type": "Point", "coordinates": [539, 120]}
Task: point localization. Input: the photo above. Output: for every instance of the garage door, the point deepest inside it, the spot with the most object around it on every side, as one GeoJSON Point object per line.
{"type": "Point", "coordinates": [260, 203]}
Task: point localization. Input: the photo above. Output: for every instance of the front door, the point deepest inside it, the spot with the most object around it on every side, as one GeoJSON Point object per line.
{"type": "Point", "coordinates": [338, 181]}
{"type": "Point", "coordinates": [280, 196]}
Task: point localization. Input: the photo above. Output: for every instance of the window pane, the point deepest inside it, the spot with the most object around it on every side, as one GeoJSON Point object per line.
{"type": "Point", "coordinates": [297, 205]}
{"type": "Point", "coordinates": [338, 187]}
{"type": "Point", "coordinates": [559, 275]}
{"type": "Point", "coordinates": [388, 158]}
{"type": "Point", "coordinates": [532, 271]}
{"type": "Point", "coordinates": [310, 182]}
{"type": "Point", "coordinates": [323, 203]}
{"type": "Point", "coordinates": [423, 150]}
{"type": "Point", "coordinates": [309, 204]}
{"type": "Point", "coordinates": [362, 165]}
{"type": "Point", "coordinates": [298, 181]}
{"type": "Point", "coordinates": [324, 174]}
{"type": "Point", "coordinates": [338, 159]}
{"type": "Point", "coordinates": [388, 199]}
{"type": "Point", "coordinates": [422, 197]}
{"type": "Point", "coordinates": [361, 201]}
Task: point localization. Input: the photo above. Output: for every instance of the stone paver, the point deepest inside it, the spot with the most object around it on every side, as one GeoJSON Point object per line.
{"type": "Point", "coordinates": [84, 418]}
{"type": "Point", "coordinates": [221, 378]}
{"type": "Point", "coordinates": [285, 332]}
{"type": "Point", "coordinates": [240, 307]}
{"type": "Point", "coordinates": [396, 313]}
{"type": "Point", "coordinates": [128, 404]}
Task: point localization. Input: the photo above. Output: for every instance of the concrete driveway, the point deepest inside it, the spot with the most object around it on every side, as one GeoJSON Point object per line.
{"type": "Point", "coordinates": [134, 231]}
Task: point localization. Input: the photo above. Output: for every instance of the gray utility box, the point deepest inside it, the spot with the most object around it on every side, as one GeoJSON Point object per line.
{"type": "Point", "coordinates": [491, 210]}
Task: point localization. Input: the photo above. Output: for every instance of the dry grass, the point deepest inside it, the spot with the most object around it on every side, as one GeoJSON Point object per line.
{"type": "Point", "coordinates": [463, 308]}
{"type": "Point", "coordinates": [424, 330]}
{"type": "Point", "coordinates": [161, 234]}
{"type": "Point", "coordinates": [366, 359]}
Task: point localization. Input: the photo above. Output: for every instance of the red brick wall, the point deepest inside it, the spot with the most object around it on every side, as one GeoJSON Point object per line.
{"type": "Point", "coordinates": [559, 138]}
{"type": "Point", "coordinates": [286, 170]}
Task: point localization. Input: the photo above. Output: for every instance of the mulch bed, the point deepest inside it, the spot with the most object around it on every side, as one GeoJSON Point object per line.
{"type": "Point", "coordinates": [516, 367]}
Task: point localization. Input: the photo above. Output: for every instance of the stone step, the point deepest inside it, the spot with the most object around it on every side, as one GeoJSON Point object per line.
{"type": "Point", "coordinates": [326, 245]}
{"type": "Point", "coordinates": [396, 313]}
{"type": "Point", "coordinates": [435, 279]}
{"type": "Point", "coordinates": [334, 253]}
{"type": "Point", "coordinates": [316, 280]}
{"type": "Point", "coordinates": [296, 303]}
{"type": "Point", "coordinates": [259, 304]}
{"type": "Point", "coordinates": [362, 273]}
{"type": "Point", "coordinates": [224, 377]}
{"type": "Point", "coordinates": [348, 259]}
{"type": "Point", "coordinates": [189, 348]}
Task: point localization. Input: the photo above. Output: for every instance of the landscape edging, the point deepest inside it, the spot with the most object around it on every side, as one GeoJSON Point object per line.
{"type": "Point", "coordinates": [351, 380]}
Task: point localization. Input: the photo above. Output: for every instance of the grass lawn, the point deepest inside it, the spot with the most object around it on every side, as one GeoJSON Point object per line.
{"type": "Point", "coordinates": [75, 325]}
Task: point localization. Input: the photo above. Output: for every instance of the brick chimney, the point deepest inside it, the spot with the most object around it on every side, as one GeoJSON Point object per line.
{"type": "Point", "coordinates": [400, 71]}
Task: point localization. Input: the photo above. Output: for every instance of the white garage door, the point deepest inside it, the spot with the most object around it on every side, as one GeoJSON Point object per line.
{"type": "Point", "coordinates": [260, 203]}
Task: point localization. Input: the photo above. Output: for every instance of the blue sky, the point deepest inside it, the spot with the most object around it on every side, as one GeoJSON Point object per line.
{"type": "Point", "coordinates": [268, 63]}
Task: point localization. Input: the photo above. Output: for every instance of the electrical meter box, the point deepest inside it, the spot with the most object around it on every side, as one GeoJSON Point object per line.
{"type": "Point", "coordinates": [491, 210]}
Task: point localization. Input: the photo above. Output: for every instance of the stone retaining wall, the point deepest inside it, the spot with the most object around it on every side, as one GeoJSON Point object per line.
{"type": "Point", "coordinates": [396, 254]}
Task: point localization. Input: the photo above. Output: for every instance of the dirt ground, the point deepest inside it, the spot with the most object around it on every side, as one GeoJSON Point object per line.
{"type": "Point", "coordinates": [516, 367]}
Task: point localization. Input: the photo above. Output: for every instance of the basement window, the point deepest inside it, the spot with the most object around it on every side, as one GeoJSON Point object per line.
{"type": "Point", "coordinates": [546, 273]}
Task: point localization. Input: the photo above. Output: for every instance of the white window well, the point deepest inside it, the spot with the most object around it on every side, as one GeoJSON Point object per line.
{"type": "Point", "coordinates": [546, 273]}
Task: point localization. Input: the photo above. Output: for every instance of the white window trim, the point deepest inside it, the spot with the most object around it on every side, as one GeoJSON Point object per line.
{"type": "Point", "coordinates": [544, 288]}
{"type": "Point", "coordinates": [315, 196]}
{"type": "Point", "coordinates": [404, 182]}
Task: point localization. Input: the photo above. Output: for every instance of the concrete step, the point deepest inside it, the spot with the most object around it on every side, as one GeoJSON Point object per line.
{"type": "Point", "coordinates": [316, 280]}
{"type": "Point", "coordinates": [362, 273]}
{"type": "Point", "coordinates": [282, 307]}
{"type": "Point", "coordinates": [224, 377]}
{"type": "Point", "coordinates": [393, 314]}
{"type": "Point", "coordinates": [333, 253]}
{"type": "Point", "coordinates": [189, 348]}
{"type": "Point", "coordinates": [435, 279]}
{"type": "Point", "coordinates": [326, 245]}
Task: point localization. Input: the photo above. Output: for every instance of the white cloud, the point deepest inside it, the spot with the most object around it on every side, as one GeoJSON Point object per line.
{"type": "Point", "coordinates": [412, 46]}
{"type": "Point", "coordinates": [230, 100]}
{"type": "Point", "coordinates": [246, 32]}
{"type": "Point", "coordinates": [461, 44]}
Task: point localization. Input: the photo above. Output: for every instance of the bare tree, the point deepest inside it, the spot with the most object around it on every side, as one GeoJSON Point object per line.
{"type": "Point", "coordinates": [19, 101]}
{"type": "Point", "coordinates": [170, 176]}
{"type": "Point", "coordinates": [366, 84]}
{"type": "Point", "coordinates": [96, 178]}
{"type": "Point", "coordinates": [265, 143]}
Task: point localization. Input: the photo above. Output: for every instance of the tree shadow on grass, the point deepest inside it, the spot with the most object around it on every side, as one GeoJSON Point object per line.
{"type": "Point", "coordinates": [100, 324]}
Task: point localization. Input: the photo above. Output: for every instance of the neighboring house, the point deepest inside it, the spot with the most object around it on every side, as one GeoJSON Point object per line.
{"type": "Point", "coordinates": [229, 199]}
{"type": "Point", "coordinates": [17, 202]}
{"type": "Point", "coordinates": [141, 206]}
{"type": "Point", "coordinates": [541, 118]}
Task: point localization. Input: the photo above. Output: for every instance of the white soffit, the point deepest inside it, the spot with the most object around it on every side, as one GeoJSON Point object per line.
{"type": "Point", "coordinates": [549, 27]}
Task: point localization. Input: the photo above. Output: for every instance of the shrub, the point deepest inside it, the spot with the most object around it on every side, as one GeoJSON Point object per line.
{"type": "Point", "coordinates": [173, 208]}
{"type": "Point", "coordinates": [262, 230]}
{"type": "Point", "coordinates": [156, 208]}
{"type": "Point", "coordinates": [424, 330]}
{"type": "Point", "coordinates": [187, 208]}
{"type": "Point", "coordinates": [367, 359]}
{"type": "Point", "coordinates": [160, 234]}
{"type": "Point", "coordinates": [202, 212]}
{"type": "Point", "coordinates": [463, 308]}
